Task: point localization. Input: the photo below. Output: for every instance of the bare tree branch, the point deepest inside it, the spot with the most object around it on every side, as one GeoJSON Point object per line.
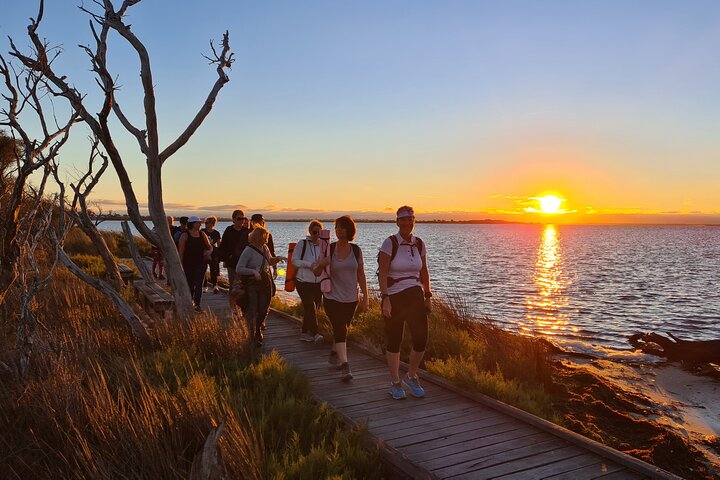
{"type": "Point", "coordinates": [223, 61]}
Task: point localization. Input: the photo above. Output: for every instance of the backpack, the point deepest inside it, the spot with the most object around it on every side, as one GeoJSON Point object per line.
{"type": "Point", "coordinates": [355, 249]}
{"type": "Point", "coordinates": [395, 245]}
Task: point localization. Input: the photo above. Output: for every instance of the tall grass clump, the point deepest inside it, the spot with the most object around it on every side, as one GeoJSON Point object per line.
{"type": "Point", "coordinates": [99, 404]}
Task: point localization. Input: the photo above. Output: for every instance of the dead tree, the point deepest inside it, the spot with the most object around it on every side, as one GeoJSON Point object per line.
{"type": "Point", "coordinates": [24, 91]}
{"type": "Point", "coordinates": [147, 137]}
{"type": "Point", "coordinates": [106, 288]}
{"type": "Point", "coordinates": [34, 270]}
{"type": "Point", "coordinates": [80, 216]}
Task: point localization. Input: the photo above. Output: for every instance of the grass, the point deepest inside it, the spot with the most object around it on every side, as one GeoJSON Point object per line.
{"type": "Point", "coordinates": [474, 354]}
{"type": "Point", "coordinates": [100, 405]}
{"type": "Point", "coordinates": [77, 243]}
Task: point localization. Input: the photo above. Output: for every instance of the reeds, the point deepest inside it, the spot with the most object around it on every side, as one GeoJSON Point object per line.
{"type": "Point", "coordinates": [100, 405]}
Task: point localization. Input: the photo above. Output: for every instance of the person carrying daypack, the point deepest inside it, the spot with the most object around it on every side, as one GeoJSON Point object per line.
{"type": "Point", "coordinates": [347, 273]}
{"type": "Point", "coordinates": [233, 242]}
{"type": "Point", "coordinates": [405, 298]}
{"type": "Point", "coordinates": [306, 254]}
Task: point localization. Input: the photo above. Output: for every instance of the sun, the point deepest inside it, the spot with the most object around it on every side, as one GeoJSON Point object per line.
{"type": "Point", "coordinates": [550, 204]}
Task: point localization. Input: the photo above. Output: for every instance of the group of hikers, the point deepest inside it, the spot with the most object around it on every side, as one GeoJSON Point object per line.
{"type": "Point", "coordinates": [247, 250]}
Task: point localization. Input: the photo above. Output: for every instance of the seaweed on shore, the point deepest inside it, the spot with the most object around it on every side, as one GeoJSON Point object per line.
{"type": "Point", "coordinates": [608, 414]}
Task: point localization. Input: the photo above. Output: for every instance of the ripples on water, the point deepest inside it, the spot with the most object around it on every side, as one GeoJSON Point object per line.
{"type": "Point", "coordinates": [581, 285]}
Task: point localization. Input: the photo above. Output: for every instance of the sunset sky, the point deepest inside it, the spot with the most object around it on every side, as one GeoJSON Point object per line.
{"type": "Point", "coordinates": [463, 109]}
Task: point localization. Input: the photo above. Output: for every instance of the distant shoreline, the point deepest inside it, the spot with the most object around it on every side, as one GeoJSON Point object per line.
{"type": "Point", "coordinates": [487, 221]}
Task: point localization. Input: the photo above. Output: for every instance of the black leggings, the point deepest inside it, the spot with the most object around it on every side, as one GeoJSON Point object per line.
{"type": "Point", "coordinates": [407, 306]}
{"type": "Point", "coordinates": [340, 315]}
{"type": "Point", "coordinates": [311, 298]}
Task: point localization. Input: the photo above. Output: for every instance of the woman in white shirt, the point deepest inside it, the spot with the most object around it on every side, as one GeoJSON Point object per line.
{"type": "Point", "coordinates": [405, 291]}
{"type": "Point", "coordinates": [306, 254]}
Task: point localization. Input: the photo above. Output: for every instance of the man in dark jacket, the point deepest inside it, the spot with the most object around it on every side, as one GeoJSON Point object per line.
{"type": "Point", "coordinates": [234, 241]}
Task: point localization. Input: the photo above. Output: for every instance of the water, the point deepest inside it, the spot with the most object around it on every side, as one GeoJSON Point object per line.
{"type": "Point", "coordinates": [585, 287]}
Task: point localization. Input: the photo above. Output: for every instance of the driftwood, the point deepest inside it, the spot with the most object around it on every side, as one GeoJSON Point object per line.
{"type": "Point", "coordinates": [208, 463]}
{"type": "Point", "coordinates": [703, 351]}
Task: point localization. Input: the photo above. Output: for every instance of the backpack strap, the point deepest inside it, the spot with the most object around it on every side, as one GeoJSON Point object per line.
{"type": "Point", "coordinates": [418, 244]}
{"type": "Point", "coordinates": [395, 245]}
{"type": "Point", "coordinates": [302, 254]}
{"type": "Point", "coordinates": [355, 249]}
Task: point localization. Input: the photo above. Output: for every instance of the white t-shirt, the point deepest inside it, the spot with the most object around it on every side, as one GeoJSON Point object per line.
{"type": "Point", "coordinates": [407, 263]}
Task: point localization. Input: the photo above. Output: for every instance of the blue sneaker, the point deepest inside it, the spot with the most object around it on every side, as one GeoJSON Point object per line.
{"type": "Point", "coordinates": [413, 383]}
{"type": "Point", "coordinates": [396, 391]}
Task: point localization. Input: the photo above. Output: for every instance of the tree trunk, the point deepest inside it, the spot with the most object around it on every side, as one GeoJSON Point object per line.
{"type": "Point", "coordinates": [135, 254]}
{"type": "Point", "coordinates": [173, 267]}
{"type": "Point", "coordinates": [123, 307]}
{"type": "Point", "coordinates": [25, 336]}
{"type": "Point", "coordinates": [113, 272]}
{"type": "Point", "coordinates": [10, 249]}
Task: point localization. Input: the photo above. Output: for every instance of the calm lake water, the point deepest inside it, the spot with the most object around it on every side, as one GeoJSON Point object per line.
{"type": "Point", "coordinates": [586, 288]}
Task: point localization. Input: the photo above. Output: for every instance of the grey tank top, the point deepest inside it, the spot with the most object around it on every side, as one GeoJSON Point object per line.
{"type": "Point", "coordinates": [343, 275]}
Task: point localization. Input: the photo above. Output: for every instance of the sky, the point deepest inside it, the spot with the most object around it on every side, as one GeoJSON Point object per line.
{"type": "Point", "coordinates": [462, 109]}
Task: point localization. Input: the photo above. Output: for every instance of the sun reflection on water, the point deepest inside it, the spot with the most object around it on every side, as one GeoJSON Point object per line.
{"type": "Point", "coordinates": [546, 305]}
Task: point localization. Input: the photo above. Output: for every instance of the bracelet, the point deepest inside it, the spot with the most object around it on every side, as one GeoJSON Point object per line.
{"type": "Point", "coordinates": [428, 295]}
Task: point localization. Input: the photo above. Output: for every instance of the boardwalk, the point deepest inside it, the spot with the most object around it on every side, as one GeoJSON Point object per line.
{"type": "Point", "coordinates": [450, 433]}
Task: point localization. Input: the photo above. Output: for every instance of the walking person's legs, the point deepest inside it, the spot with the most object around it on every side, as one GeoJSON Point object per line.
{"type": "Point", "coordinates": [310, 296]}
{"type": "Point", "coordinates": [340, 315]}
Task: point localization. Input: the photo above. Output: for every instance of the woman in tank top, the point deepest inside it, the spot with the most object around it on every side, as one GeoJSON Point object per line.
{"type": "Point", "coordinates": [347, 273]}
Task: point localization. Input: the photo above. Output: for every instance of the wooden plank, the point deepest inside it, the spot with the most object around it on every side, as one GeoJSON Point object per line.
{"type": "Point", "coordinates": [622, 475]}
{"type": "Point", "coordinates": [495, 466]}
{"type": "Point", "coordinates": [489, 441]}
{"type": "Point", "coordinates": [588, 472]}
{"type": "Point", "coordinates": [391, 405]}
{"type": "Point", "coordinates": [487, 436]}
{"type": "Point", "coordinates": [414, 411]}
{"type": "Point", "coordinates": [446, 419]}
{"type": "Point", "coordinates": [561, 466]}
{"type": "Point", "coordinates": [449, 413]}
{"type": "Point", "coordinates": [448, 432]}
{"type": "Point", "coordinates": [467, 451]}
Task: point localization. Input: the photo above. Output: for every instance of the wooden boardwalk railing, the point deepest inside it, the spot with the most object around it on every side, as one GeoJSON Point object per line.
{"type": "Point", "coordinates": [451, 433]}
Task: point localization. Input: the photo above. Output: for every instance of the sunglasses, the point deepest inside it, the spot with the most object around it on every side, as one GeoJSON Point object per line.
{"type": "Point", "coordinates": [239, 218]}
{"type": "Point", "coordinates": [314, 232]}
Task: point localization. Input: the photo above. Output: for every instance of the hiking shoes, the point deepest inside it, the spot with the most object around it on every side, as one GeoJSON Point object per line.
{"type": "Point", "coordinates": [396, 391]}
{"type": "Point", "coordinates": [333, 359]}
{"type": "Point", "coordinates": [413, 383]}
{"type": "Point", "coordinates": [345, 373]}
{"type": "Point", "coordinates": [310, 338]}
